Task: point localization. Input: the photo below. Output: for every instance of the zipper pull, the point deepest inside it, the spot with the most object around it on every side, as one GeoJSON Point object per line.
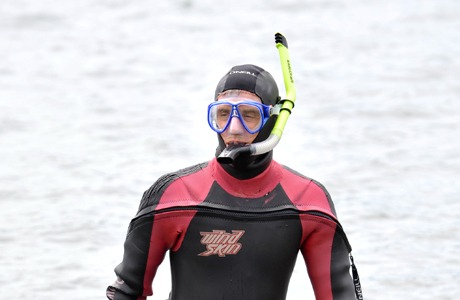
{"type": "Point", "coordinates": [356, 282]}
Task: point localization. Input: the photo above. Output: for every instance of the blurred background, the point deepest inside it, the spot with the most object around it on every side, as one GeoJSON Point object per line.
{"type": "Point", "coordinates": [100, 98]}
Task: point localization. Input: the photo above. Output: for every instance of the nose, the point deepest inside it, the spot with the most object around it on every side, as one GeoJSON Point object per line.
{"type": "Point", "coordinates": [235, 127]}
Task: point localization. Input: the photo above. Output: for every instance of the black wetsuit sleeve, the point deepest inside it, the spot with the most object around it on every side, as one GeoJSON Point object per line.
{"type": "Point", "coordinates": [140, 261]}
{"type": "Point", "coordinates": [326, 245]}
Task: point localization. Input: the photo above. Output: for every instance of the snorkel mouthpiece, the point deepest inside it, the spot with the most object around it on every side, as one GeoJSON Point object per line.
{"type": "Point", "coordinates": [231, 152]}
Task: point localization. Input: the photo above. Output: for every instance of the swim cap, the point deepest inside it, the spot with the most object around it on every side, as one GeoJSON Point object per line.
{"type": "Point", "coordinates": [250, 78]}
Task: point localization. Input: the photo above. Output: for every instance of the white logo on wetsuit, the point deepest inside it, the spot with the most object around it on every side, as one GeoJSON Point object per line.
{"type": "Point", "coordinates": [221, 243]}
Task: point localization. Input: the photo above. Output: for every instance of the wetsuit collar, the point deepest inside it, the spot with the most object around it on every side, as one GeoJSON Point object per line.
{"type": "Point", "coordinates": [247, 167]}
{"type": "Point", "coordinates": [254, 187]}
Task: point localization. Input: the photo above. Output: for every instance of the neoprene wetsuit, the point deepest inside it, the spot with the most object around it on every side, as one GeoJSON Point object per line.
{"type": "Point", "coordinates": [234, 239]}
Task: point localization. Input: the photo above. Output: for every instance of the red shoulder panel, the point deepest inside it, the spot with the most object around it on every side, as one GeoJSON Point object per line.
{"type": "Point", "coordinates": [187, 190]}
{"type": "Point", "coordinates": [304, 193]}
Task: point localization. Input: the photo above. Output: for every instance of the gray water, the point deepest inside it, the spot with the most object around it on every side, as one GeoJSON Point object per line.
{"type": "Point", "coordinates": [99, 98]}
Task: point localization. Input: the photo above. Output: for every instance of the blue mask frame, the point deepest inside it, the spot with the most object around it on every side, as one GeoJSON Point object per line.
{"type": "Point", "coordinates": [264, 110]}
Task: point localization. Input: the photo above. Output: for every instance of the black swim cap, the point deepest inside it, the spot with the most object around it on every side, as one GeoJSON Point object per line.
{"type": "Point", "coordinates": [250, 78]}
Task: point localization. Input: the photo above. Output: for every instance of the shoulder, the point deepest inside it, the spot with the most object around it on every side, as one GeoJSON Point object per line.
{"type": "Point", "coordinates": [152, 196]}
{"type": "Point", "coordinates": [293, 175]}
{"type": "Point", "coordinates": [305, 192]}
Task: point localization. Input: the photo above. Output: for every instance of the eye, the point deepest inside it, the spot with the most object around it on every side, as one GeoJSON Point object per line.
{"type": "Point", "coordinates": [250, 114]}
{"type": "Point", "coordinates": [223, 112]}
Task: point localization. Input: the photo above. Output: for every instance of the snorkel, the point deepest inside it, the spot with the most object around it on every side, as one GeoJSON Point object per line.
{"type": "Point", "coordinates": [282, 109]}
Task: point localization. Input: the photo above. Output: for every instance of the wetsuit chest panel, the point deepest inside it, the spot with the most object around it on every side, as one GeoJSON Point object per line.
{"type": "Point", "coordinates": [244, 252]}
{"type": "Point", "coordinates": [239, 258]}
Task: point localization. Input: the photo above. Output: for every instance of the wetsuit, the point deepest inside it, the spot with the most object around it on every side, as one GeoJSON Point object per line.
{"type": "Point", "coordinates": [234, 239]}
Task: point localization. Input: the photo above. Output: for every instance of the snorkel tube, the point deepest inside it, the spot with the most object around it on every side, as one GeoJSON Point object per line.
{"type": "Point", "coordinates": [283, 109]}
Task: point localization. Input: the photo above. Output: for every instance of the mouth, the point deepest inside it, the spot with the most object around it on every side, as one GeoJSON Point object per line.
{"type": "Point", "coordinates": [236, 144]}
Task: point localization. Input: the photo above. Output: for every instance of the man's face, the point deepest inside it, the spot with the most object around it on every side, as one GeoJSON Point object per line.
{"type": "Point", "coordinates": [235, 132]}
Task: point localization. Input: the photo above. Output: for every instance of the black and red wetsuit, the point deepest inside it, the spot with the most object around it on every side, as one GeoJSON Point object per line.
{"type": "Point", "coordinates": [234, 239]}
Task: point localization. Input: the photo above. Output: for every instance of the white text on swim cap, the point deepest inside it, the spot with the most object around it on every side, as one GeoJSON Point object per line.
{"type": "Point", "coordinates": [242, 72]}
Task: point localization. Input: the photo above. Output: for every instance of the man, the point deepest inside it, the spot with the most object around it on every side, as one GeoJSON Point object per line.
{"type": "Point", "coordinates": [233, 231]}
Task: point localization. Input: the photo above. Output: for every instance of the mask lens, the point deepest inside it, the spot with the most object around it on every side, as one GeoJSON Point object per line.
{"type": "Point", "coordinates": [251, 117]}
{"type": "Point", "coordinates": [219, 116]}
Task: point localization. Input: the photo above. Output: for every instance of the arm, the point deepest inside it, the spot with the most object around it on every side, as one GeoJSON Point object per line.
{"type": "Point", "coordinates": [144, 250]}
{"type": "Point", "coordinates": [327, 257]}
{"type": "Point", "coordinates": [148, 240]}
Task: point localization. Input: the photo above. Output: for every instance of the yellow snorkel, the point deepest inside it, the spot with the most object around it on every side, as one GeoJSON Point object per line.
{"type": "Point", "coordinates": [283, 109]}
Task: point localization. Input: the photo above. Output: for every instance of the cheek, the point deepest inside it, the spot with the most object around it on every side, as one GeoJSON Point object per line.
{"type": "Point", "coordinates": [252, 137]}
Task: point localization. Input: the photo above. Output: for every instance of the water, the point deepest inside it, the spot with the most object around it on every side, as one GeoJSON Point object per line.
{"type": "Point", "coordinates": [98, 99]}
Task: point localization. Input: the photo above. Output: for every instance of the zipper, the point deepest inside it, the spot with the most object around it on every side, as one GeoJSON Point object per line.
{"type": "Point", "coordinates": [237, 214]}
